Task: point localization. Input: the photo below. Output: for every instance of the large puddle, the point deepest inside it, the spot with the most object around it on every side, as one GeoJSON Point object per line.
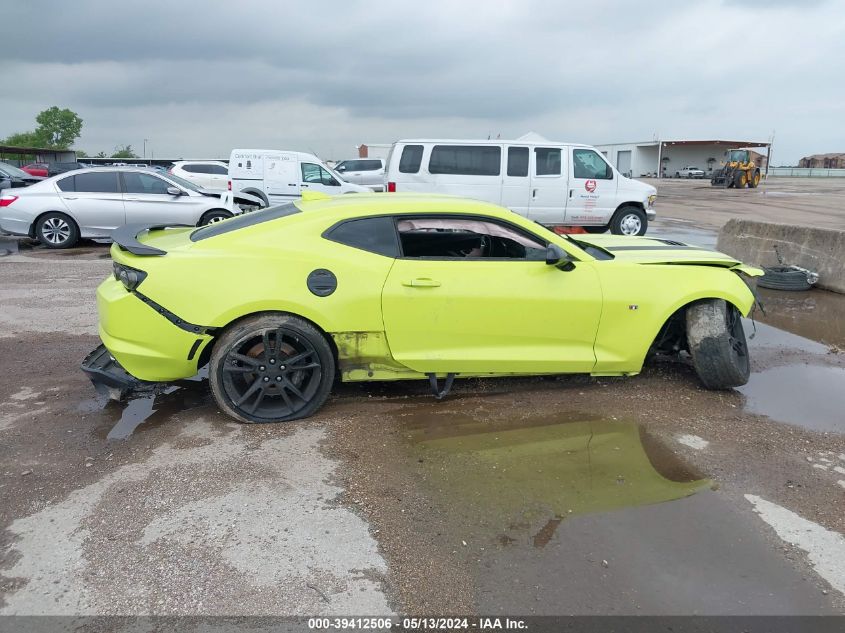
{"type": "Point", "coordinates": [812, 396]}
{"type": "Point", "coordinates": [802, 382]}
{"type": "Point", "coordinates": [815, 314]}
{"type": "Point", "coordinates": [517, 480]}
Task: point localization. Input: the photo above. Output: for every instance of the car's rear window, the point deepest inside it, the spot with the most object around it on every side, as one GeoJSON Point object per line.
{"type": "Point", "coordinates": [244, 220]}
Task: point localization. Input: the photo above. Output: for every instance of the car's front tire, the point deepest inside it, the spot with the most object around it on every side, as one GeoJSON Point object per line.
{"type": "Point", "coordinates": [717, 344]}
{"type": "Point", "coordinates": [56, 230]}
{"type": "Point", "coordinates": [271, 368]}
{"type": "Point", "coordinates": [629, 220]}
{"type": "Point", "coordinates": [215, 215]}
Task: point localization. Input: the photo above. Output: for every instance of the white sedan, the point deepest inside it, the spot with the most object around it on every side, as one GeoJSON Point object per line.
{"type": "Point", "coordinates": [91, 203]}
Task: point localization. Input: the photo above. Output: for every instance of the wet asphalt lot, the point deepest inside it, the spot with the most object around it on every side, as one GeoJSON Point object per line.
{"type": "Point", "coordinates": [565, 495]}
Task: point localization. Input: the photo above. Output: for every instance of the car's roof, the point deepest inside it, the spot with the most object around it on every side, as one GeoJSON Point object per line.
{"type": "Point", "coordinates": [272, 151]}
{"type": "Point", "coordinates": [366, 204]}
{"type": "Point", "coordinates": [199, 162]}
{"type": "Point", "coordinates": [497, 141]}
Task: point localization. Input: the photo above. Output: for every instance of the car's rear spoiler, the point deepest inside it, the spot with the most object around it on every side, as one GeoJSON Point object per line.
{"type": "Point", "coordinates": [126, 237]}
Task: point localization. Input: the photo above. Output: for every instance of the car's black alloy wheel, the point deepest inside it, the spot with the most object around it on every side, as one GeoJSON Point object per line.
{"type": "Point", "coordinates": [271, 368]}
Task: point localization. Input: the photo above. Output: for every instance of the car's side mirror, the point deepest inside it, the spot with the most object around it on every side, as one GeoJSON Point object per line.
{"type": "Point", "coordinates": [342, 168]}
{"type": "Point", "coordinates": [174, 191]}
{"type": "Point", "coordinates": [556, 256]}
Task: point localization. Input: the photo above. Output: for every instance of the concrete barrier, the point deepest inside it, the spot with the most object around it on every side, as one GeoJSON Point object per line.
{"type": "Point", "coordinates": [820, 250]}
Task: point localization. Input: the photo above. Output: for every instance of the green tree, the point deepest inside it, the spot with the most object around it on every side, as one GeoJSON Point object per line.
{"type": "Point", "coordinates": [124, 151]}
{"type": "Point", "coordinates": [81, 153]}
{"type": "Point", "coordinates": [101, 155]}
{"type": "Point", "coordinates": [59, 128]}
{"type": "Point", "coordinates": [24, 139]}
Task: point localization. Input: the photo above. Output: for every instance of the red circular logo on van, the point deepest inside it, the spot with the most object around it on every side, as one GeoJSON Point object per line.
{"type": "Point", "coordinates": [590, 186]}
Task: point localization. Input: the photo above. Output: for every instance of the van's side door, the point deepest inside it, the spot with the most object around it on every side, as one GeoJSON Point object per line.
{"type": "Point", "coordinates": [516, 181]}
{"type": "Point", "coordinates": [592, 188]}
{"type": "Point", "coordinates": [547, 199]}
{"type": "Point", "coordinates": [281, 177]}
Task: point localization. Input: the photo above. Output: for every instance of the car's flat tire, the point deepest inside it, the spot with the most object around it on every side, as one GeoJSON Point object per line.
{"type": "Point", "coordinates": [249, 374]}
{"type": "Point", "coordinates": [56, 230]}
{"type": "Point", "coordinates": [629, 220]}
{"type": "Point", "coordinates": [717, 344]}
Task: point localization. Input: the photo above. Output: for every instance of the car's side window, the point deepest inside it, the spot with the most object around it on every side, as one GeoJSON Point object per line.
{"type": "Point", "coordinates": [219, 170]}
{"type": "Point", "coordinates": [517, 161]}
{"type": "Point", "coordinates": [466, 238]}
{"type": "Point", "coordinates": [96, 182]}
{"type": "Point", "coordinates": [411, 159]}
{"type": "Point", "coordinates": [547, 161]}
{"type": "Point", "coordinates": [66, 184]}
{"type": "Point", "coordinates": [377, 235]}
{"type": "Point", "coordinates": [588, 164]}
{"type": "Point", "coordinates": [135, 182]}
{"type": "Point", "coordinates": [312, 173]}
{"type": "Point", "coordinates": [327, 179]}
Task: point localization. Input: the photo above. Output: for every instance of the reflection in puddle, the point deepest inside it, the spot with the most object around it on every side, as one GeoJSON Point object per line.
{"type": "Point", "coordinates": [517, 480]}
{"type": "Point", "coordinates": [815, 314]}
{"type": "Point", "coordinates": [158, 407]}
{"type": "Point", "coordinates": [812, 396]}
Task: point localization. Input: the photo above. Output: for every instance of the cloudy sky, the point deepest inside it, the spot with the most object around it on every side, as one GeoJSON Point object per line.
{"type": "Point", "coordinates": [200, 78]}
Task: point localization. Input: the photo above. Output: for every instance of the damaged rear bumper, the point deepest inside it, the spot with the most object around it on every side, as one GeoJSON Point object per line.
{"type": "Point", "coordinates": [109, 378]}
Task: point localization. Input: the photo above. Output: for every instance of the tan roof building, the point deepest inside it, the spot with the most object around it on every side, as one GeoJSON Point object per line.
{"type": "Point", "coordinates": [833, 160]}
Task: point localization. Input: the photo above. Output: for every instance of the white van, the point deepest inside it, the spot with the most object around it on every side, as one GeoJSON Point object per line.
{"type": "Point", "coordinates": [554, 184]}
{"type": "Point", "coordinates": [280, 176]}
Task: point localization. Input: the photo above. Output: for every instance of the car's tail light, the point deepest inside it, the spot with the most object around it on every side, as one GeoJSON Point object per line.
{"type": "Point", "coordinates": [391, 187]}
{"type": "Point", "coordinates": [230, 185]}
{"type": "Point", "coordinates": [130, 277]}
{"type": "Point", "coordinates": [5, 201]}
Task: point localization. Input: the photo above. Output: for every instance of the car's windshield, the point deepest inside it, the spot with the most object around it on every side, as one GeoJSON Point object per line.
{"type": "Point", "coordinates": [11, 170]}
{"type": "Point", "coordinates": [187, 184]}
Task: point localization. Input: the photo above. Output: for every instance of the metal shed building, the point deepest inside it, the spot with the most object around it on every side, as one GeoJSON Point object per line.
{"type": "Point", "coordinates": [663, 158]}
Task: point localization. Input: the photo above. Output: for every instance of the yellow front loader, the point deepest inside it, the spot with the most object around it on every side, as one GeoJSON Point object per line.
{"type": "Point", "coordinates": [738, 171]}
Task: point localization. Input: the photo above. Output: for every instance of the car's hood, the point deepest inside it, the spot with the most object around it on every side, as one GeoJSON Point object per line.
{"type": "Point", "coordinates": [653, 250]}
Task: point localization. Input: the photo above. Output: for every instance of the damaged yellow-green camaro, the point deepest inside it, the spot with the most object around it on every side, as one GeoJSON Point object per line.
{"type": "Point", "coordinates": [282, 301]}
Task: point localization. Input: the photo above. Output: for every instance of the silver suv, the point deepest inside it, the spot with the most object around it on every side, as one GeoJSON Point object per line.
{"type": "Point", "coordinates": [363, 171]}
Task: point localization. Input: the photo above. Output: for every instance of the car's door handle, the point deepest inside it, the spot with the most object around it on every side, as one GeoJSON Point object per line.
{"type": "Point", "coordinates": [570, 192]}
{"type": "Point", "coordinates": [291, 184]}
{"type": "Point", "coordinates": [421, 282]}
{"type": "Point", "coordinates": [304, 185]}
{"type": "Point", "coordinates": [131, 199]}
{"type": "Point", "coordinates": [69, 197]}
{"type": "Point", "coordinates": [534, 193]}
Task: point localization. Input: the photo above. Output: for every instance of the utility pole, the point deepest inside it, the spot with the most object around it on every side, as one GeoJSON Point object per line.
{"type": "Point", "coordinates": [145, 147]}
